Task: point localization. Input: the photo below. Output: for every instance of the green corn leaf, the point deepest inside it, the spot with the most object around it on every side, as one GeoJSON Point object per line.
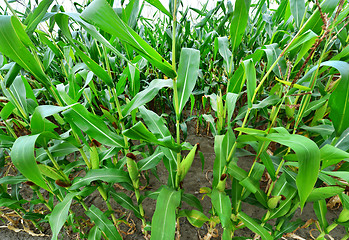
{"type": "Point", "coordinates": [239, 22]}
{"type": "Point", "coordinates": [58, 150]}
{"type": "Point", "coordinates": [297, 10]}
{"type": "Point", "coordinates": [230, 103]}
{"type": "Point", "coordinates": [223, 45]}
{"type": "Point", "coordinates": [146, 95]}
{"type": "Point", "coordinates": [170, 162]}
{"type": "Point", "coordinates": [60, 214]}
{"type": "Point", "coordinates": [264, 156]}
{"type": "Point", "coordinates": [151, 161]}
{"type": "Point", "coordinates": [38, 123]}
{"type": "Point", "coordinates": [94, 233]}
{"type": "Point", "coordinates": [63, 20]}
{"type": "Point", "coordinates": [236, 172]}
{"type": "Point", "coordinates": [288, 227]}
{"type": "Point", "coordinates": [35, 17]}
{"type": "Point", "coordinates": [339, 98]}
{"type": "Point", "coordinates": [340, 174]}
{"type": "Point", "coordinates": [158, 5]}
{"type": "Point", "coordinates": [18, 97]}
{"type": "Point", "coordinates": [331, 155]}
{"type": "Point", "coordinates": [50, 172]}
{"type": "Point", "coordinates": [343, 141]}
{"type": "Point", "coordinates": [249, 184]}
{"type": "Point", "coordinates": [12, 179]}
{"type": "Point", "coordinates": [314, 22]}
{"type": "Point", "coordinates": [6, 141]}
{"type": "Point", "coordinates": [284, 205]}
{"type": "Point", "coordinates": [100, 13]}
{"type": "Point", "coordinates": [14, 42]}
{"type": "Point", "coordinates": [282, 187]}
{"type": "Point", "coordinates": [222, 147]}
{"type": "Point", "coordinates": [23, 158]}
{"type": "Point", "coordinates": [164, 219]}
{"type": "Point", "coordinates": [12, 74]}
{"type": "Point", "coordinates": [273, 51]}
{"type": "Point", "coordinates": [192, 201]}
{"type": "Point", "coordinates": [92, 126]}
{"type": "Point", "coordinates": [107, 175]}
{"type": "Point", "coordinates": [7, 110]}
{"type": "Point", "coordinates": [95, 34]}
{"type": "Point", "coordinates": [158, 128]}
{"type": "Point", "coordinates": [125, 201]}
{"type": "Point", "coordinates": [103, 223]}
{"type": "Point", "coordinates": [188, 71]}
{"type": "Point", "coordinates": [155, 123]}
{"type": "Point", "coordinates": [250, 72]}
{"type": "Point", "coordinates": [10, 203]}
{"type": "Point", "coordinates": [222, 205]}
{"type": "Point", "coordinates": [320, 210]}
{"type": "Point", "coordinates": [254, 226]}
{"type": "Point", "coordinates": [237, 81]}
{"type": "Point", "coordinates": [324, 193]}
{"type": "Point", "coordinates": [308, 155]}
{"type": "Point", "coordinates": [130, 13]}
{"type": "Point", "coordinates": [196, 218]}
{"type": "Point", "coordinates": [140, 132]}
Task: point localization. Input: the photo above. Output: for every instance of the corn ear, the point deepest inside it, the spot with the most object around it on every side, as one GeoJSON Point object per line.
{"type": "Point", "coordinates": [94, 158]}
{"type": "Point", "coordinates": [289, 110]}
{"type": "Point", "coordinates": [344, 215]}
{"type": "Point", "coordinates": [186, 163]}
{"type": "Point", "coordinates": [133, 170]}
{"type": "Point", "coordinates": [273, 202]}
{"type": "Point", "coordinates": [221, 184]}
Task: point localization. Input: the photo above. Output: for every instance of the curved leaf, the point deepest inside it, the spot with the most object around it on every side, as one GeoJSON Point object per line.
{"type": "Point", "coordinates": [188, 71]}
{"type": "Point", "coordinates": [100, 13]}
{"type": "Point", "coordinates": [60, 214]}
{"type": "Point", "coordinates": [13, 42]}
{"type": "Point", "coordinates": [308, 155]}
{"type": "Point", "coordinates": [93, 126]}
{"type": "Point", "coordinates": [103, 223]}
{"type": "Point", "coordinates": [239, 22]}
{"type": "Point", "coordinates": [146, 95]}
{"type": "Point", "coordinates": [107, 175]}
{"type": "Point", "coordinates": [254, 226]}
{"type": "Point", "coordinates": [164, 220]}
{"type": "Point", "coordinates": [297, 10]}
{"type": "Point", "coordinates": [125, 201]}
{"type": "Point", "coordinates": [23, 158]}
{"type": "Point", "coordinates": [339, 98]}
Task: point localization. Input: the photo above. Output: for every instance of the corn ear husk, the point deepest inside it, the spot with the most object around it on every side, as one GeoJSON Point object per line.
{"type": "Point", "coordinates": [186, 163]}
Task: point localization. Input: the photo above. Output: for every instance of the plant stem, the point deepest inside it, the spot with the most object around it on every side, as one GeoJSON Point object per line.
{"type": "Point", "coordinates": [329, 229]}
{"type": "Point", "coordinates": [118, 108]}
{"type": "Point", "coordinates": [105, 197]}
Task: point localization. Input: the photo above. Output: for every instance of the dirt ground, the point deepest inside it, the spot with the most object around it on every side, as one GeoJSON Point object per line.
{"type": "Point", "coordinates": [193, 181]}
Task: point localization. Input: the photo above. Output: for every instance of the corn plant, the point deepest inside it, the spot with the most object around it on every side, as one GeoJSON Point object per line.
{"type": "Point", "coordinates": [78, 114]}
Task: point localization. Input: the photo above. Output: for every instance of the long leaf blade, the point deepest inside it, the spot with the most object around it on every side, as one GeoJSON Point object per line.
{"type": "Point", "coordinates": [103, 223]}
{"type": "Point", "coordinates": [100, 13]}
{"type": "Point", "coordinates": [23, 158]}
{"type": "Point", "coordinates": [188, 71]}
{"type": "Point", "coordinates": [164, 219]}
